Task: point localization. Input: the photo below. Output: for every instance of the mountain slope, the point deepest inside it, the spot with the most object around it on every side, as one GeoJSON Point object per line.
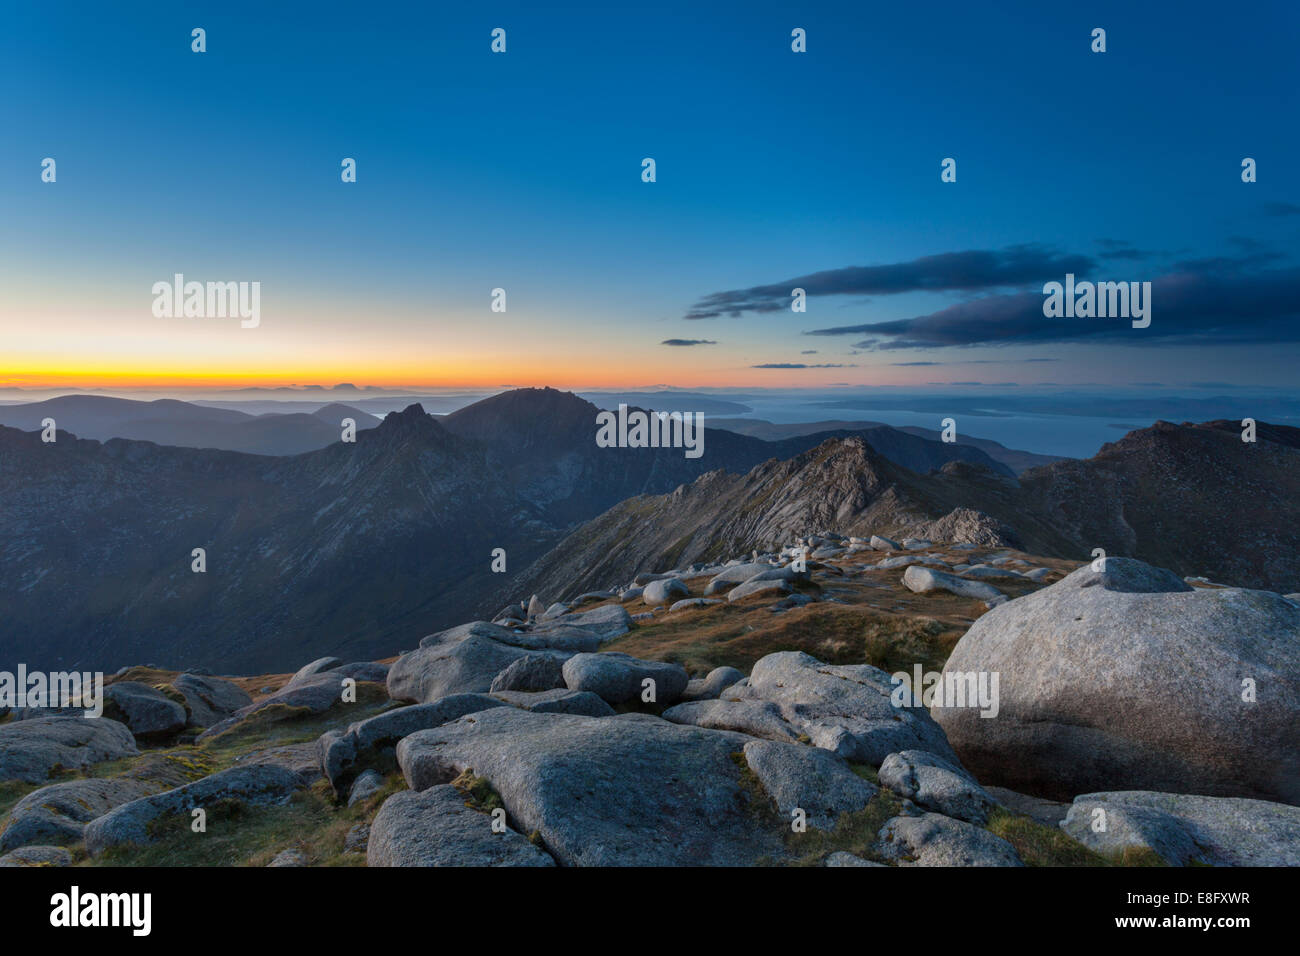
{"type": "Point", "coordinates": [1193, 498]}
{"type": "Point", "coordinates": [355, 546]}
{"type": "Point", "coordinates": [545, 439]}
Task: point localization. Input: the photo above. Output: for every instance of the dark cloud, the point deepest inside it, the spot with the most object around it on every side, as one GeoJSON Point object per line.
{"type": "Point", "coordinates": [808, 352]}
{"type": "Point", "coordinates": [1220, 301]}
{"type": "Point", "coordinates": [906, 364]}
{"type": "Point", "coordinates": [971, 271]}
{"type": "Point", "coordinates": [1281, 209]}
{"type": "Point", "coordinates": [688, 342]}
{"type": "Point", "coordinates": [1122, 249]}
{"type": "Point", "coordinates": [798, 365]}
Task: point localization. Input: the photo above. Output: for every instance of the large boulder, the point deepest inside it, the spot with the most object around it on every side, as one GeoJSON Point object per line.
{"type": "Point", "coordinates": [130, 823]}
{"type": "Point", "coordinates": [1183, 829]}
{"type": "Point", "coordinates": [664, 592]}
{"type": "Point", "coordinates": [605, 623]}
{"type": "Point", "coordinates": [147, 711]}
{"type": "Point", "coordinates": [922, 580]}
{"type": "Point", "coordinates": [619, 678]}
{"type": "Point", "coordinates": [436, 828]}
{"type": "Point", "coordinates": [209, 699]}
{"type": "Point", "coordinates": [31, 749]}
{"type": "Point", "coordinates": [728, 578]}
{"type": "Point", "coordinates": [463, 665]}
{"type": "Point", "coordinates": [1127, 678]}
{"type": "Point", "coordinates": [56, 815]}
{"type": "Point", "coordinates": [846, 709]}
{"type": "Point", "coordinates": [629, 790]}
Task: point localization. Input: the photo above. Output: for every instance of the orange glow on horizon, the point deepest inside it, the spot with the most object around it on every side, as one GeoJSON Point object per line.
{"type": "Point", "coordinates": [524, 374]}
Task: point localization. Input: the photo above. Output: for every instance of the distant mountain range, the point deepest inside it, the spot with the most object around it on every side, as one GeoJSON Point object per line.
{"type": "Point", "coordinates": [353, 547]}
{"type": "Point", "coordinates": [1193, 498]}
{"type": "Point", "coordinates": [188, 425]}
{"type": "Point", "coordinates": [357, 549]}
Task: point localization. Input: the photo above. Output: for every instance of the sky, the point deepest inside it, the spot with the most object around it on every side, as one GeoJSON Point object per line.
{"type": "Point", "coordinates": [523, 171]}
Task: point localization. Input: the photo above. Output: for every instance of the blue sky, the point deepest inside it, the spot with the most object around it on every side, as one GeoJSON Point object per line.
{"type": "Point", "coordinates": [522, 171]}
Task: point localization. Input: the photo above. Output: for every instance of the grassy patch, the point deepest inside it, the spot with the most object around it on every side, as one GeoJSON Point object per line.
{"type": "Point", "coordinates": [11, 791]}
{"type": "Point", "coordinates": [478, 792]}
{"type": "Point", "coordinates": [854, 833]}
{"type": "Point", "coordinates": [241, 834]}
{"type": "Point", "coordinates": [1040, 845]}
{"type": "Point", "coordinates": [760, 804]}
{"type": "Point", "coordinates": [727, 634]}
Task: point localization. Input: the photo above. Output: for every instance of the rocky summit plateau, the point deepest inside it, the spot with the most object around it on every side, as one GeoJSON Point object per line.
{"type": "Point", "coordinates": [760, 708]}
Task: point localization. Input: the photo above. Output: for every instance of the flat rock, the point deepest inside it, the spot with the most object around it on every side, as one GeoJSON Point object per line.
{"type": "Point", "coordinates": [1183, 829]}
{"type": "Point", "coordinates": [935, 840]}
{"type": "Point", "coordinates": [885, 544]}
{"type": "Point", "coordinates": [605, 622]}
{"type": "Point", "coordinates": [629, 790]}
{"type": "Point", "coordinates": [936, 784]}
{"type": "Point", "coordinates": [31, 749]}
{"type": "Point", "coordinates": [1130, 679]}
{"type": "Point", "coordinates": [436, 828]}
{"type": "Point", "coordinates": [815, 781]}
